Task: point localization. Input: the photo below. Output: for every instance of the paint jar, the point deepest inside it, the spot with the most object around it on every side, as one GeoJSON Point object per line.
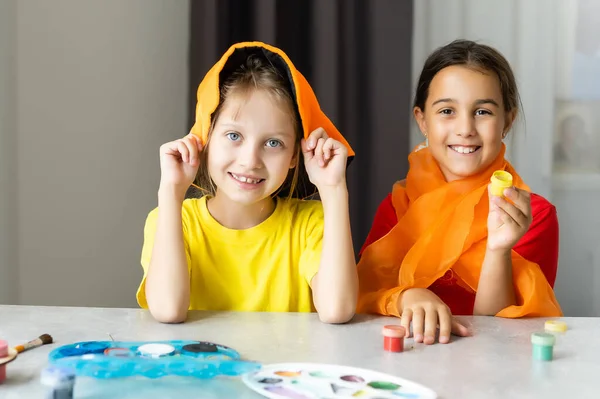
{"type": "Point", "coordinates": [543, 346]}
{"type": "Point", "coordinates": [393, 338]}
{"type": "Point", "coordinates": [60, 382]}
{"type": "Point", "coordinates": [501, 180]}
{"type": "Point", "coordinates": [3, 353]}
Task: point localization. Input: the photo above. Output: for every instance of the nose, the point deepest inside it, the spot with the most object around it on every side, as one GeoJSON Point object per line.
{"type": "Point", "coordinates": [466, 125]}
{"type": "Point", "coordinates": [250, 156]}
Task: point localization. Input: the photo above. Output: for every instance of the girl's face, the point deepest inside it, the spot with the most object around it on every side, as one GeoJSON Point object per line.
{"type": "Point", "coordinates": [464, 120]}
{"type": "Point", "coordinates": [252, 148]}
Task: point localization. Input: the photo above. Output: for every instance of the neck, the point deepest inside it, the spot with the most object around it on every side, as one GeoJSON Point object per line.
{"type": "Point", "coordinates": [236, 216]}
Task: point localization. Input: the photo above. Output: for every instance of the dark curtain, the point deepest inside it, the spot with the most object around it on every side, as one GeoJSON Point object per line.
{"type": "Point", "coordinates": [356, 54]}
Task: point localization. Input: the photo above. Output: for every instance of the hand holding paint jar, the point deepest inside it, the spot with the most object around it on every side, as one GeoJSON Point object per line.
{"type": "Point", "coordinates": [509, 215]}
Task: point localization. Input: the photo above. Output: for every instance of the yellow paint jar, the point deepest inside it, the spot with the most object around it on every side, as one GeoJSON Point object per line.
{"type": "Point", "coordinates": [501, 180]}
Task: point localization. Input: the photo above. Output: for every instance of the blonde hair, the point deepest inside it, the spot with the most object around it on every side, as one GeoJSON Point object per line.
{"type": "Point", "coordinates": [257, 73]}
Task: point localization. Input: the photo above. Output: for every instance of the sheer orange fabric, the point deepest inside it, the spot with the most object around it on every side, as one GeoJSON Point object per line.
{"type": "Point", "coordinates": [443, 226]}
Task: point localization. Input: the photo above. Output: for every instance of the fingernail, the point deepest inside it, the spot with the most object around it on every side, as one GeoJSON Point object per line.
{"type": "Point", "coordinates": [444, 339]}
{"type": "Point", "coordinates": [419, 338]}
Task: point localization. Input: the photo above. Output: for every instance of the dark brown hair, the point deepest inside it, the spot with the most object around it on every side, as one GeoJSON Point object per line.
{"type": "Point", "coordinates": [257, 73]}
{"type": "Point", "coordinates": [473, 55]}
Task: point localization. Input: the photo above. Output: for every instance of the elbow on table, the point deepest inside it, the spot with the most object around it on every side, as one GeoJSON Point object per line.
{"type": "Point", "coordinates": [169, 315]}
{"type": "Point", "coordinates": [338, 315]}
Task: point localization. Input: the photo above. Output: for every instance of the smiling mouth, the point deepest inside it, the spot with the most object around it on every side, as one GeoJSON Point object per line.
{"type": "Point", "coordinates": [464, 149]}
{"type": "Point", "coordinates": [247, 180]}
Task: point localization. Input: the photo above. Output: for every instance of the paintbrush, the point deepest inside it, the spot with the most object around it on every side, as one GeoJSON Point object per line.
{"type": "Point", "coordinates": [41, 340]}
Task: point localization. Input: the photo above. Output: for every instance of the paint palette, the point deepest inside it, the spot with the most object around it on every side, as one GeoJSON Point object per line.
{"type": "Point", "coordinates": [114, 359]}
{"type": "Point", "coordinates": [322, 381]}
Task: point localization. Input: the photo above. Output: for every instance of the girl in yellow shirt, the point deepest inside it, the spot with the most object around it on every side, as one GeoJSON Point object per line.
{"type": "Point", "coordinates": [260, 144]}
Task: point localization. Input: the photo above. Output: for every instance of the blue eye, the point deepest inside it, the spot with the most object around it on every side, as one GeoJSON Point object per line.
{"type": "Point", "coordinates": [273, 143]}
{"type": "Point", "coordinates": [233, 136]}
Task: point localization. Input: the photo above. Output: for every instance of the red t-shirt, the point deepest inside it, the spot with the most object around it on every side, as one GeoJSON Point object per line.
{"type": "Point", "coordinates": [538, 245]}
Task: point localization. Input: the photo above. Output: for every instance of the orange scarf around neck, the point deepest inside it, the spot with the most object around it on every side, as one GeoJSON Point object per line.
{"type": "Point", "coordinates": [443, 226]}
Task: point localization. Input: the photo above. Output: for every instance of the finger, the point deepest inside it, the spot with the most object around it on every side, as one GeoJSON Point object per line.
{"type": "Point", "coordinates": [405, 320]}
{"type": "Point", "coordinates": [445, 319]}
{"type": "Point", "coordinates": [192, 147]}
{"type": "Point", "coordinates": [197, 140]}
{"type": "Point", "coordinates": [520, 198]}
{"type": "Point", "coordinates": [170, 148]}
{"type": "Point", "coordinates": [514, 214]}
{"type": "Point", "coordinates": [319, 151]}
{"type": "Point", "coordinates": [459, 329]}
{"type": "Point", "coordinates": [431, 322]}
{"type": "Point", "coordinates": [183, 151]}
{"type": "Point", "coordinates": [417, 321]}
{"type": "Point", "coordinates": [330, 147]}
{"type": "Point", "coordinates": [306, 150]}
{"type": "Point", "coordinates": [314, 137]}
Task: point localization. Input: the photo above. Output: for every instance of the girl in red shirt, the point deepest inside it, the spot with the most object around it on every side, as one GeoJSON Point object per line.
{"type": "Point", "coordinates": [440, 244]}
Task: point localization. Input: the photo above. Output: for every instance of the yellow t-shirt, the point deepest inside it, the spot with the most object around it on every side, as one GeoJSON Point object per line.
{"type": "Point", "coordinates": [264, 268]}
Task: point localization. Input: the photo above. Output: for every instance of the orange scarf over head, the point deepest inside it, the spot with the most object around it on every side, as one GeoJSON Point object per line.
{"type": "Point", "coordinates": [443, 226]}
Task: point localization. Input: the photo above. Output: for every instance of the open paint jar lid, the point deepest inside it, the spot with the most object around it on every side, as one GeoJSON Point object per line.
{"type": "Point", "coordinates": [393, 331]}
{"type": "Point", "coordinates": [555, 326]}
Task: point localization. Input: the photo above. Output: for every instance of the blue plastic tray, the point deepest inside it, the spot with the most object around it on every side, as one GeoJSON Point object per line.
{"type": "Point", "coordinates": [92, 359]}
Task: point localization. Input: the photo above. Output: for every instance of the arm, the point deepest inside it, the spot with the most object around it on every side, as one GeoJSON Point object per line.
{"type": "Point", "coordinates": [508, 220]}
{"type": "Point", "coordinates": [539, 245]}
{"type": "Point", "coordinates": [168, 279]}
{"type": "Point", "coordinates": [335, 286]}
{"type": "Point", "coordinates": [495, 290]}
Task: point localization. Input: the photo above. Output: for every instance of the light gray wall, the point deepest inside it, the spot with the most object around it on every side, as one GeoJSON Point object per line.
{"type": "Point", "coordinates": [8, 164]}
{"type": "Point", "coordinates": [101, 84]}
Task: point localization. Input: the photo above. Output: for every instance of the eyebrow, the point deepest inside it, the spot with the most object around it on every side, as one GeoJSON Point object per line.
{"type": "Point", "coordinates": [478, 102]}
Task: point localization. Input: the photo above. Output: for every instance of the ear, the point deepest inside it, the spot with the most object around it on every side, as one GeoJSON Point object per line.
{"type": "Point", "coordinates": [295, 158]}
{"type": "Point", "coordinates": [509, 120]}
{"type": "Point", "coordinates": [420, 119]}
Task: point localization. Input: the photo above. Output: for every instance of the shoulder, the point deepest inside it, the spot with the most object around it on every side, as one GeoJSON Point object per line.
{"type": "Point", "coordinates": [301, 208]}
{"type": "Point", "coordinates": [387, 205]}
{"type": "Point", "coordinates": [542, 210]}
{"type": "Point", "coordinates": [190, 210]}
{"type": "Point", "coordinates": [302, 216]}
{"type": "Point", "coordinates": [544, 222]}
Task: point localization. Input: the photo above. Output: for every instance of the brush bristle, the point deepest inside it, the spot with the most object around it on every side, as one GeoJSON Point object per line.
{"type": "Point", "coordinates": [46, 339]}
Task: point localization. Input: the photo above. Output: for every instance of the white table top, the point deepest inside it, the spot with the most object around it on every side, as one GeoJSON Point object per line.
{"type": "Point", "coordinates": [494, 363]}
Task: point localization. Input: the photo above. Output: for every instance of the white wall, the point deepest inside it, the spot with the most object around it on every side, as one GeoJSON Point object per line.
{"type": "Point", "coordinates": [527, 33]}
{"type": "Point", "coordinates": [101, 84]}
{"type": "Point", "coordinates": [8, 167]}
